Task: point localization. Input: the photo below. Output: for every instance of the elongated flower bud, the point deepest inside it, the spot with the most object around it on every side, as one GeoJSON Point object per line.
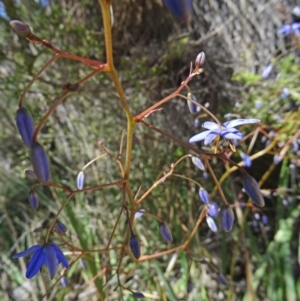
{"type": "Point", "coordinates": [203, 194]}
{"type": "Point", "coordinates": [165, 232]}
{"type": "Point", "coordinates": [192, 107]}
{"type": "Point", "coordinates": [222, 279]}
{"type": "Point", "coordinates": [25, 125]}
{"type": "Point", "coordinates": [211, 224]}
{"type": "Point", "coordinates": [64, 281]}
{"type": "Point", "coordinates": [30, 174]}
{"type": "Point", "coordinates": [227, 218]}
{"type": "Point", "coordinates": [138, 295]}
{"type": "Point", "coordinates": [61, 228]}
{"type": "Point", "coordinates": [33, 200]}
{"type": "Point", "coordinates": [39, 229]}
{"type": "Point", "coordinates": [200, 60]}
{"type": "Point", "coordinates": [197, 161]}
{"type": "Point", "coordinates": [80, 180]}
{"type": "Point", "coordinates": [20, 28]}
{"type": "Point", "coordinates": [139, 213]}
{"type": "Point", "coordinates": [135, 246]}
{"type": "Point", "coordinates": [181, 9]}
{"type": "Point", "coordinates": [252, 189]}
{"type": "Point", "coordinates": [40, 162]}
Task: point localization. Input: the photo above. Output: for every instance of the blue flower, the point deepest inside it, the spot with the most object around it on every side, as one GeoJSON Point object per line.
{"type": "Point", "coordinates": [48, 254]}
{"type": "Point", "coordinates": [226, 130]}
{"type": "Point", "coordinates": [288, 29]}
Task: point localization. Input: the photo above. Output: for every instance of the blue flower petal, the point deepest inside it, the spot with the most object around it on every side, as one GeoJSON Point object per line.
{"type": "Point", "coordinates": [211, 224]}
{"type": "Point", "coordinates": [51, 260]}
{"type": "Point", "coordinates": [232, 135]}
{"type": "Point", "coordinates": [199, 137]}
{"type": "Point", "coordinates": [211, 136]}
{"type": "Point", "coordinates": [36, 263]}
{"type": "Point", "coordinates": [236, 122]}
{"type": "Point", "coordinates": [60, 256]}
{"type": "Point", "coordinates": [210, 125]}
{"type": "Point", "coordinates": [28, 251]}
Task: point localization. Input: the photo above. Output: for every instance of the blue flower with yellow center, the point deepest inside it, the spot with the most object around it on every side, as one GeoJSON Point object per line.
{"type": "Point", "coordinates": [216, 131]}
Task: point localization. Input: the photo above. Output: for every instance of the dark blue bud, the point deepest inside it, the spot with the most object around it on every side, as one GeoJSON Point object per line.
{"type": "Point", "coordinates": [138, 295]}
{"type": "Point", "coordinates": [189, 287]}
{"type": "Point", "coordinates": [211, 224]}
{"type": "Point", "coordinates": [252, 189]}
{"type": "Point", "coordinates": [165, 232]}
{"type": "Point", "coordinates": [181, 9]}
{"type": "Point", "coordinates": [222, 279]}
{"type": "Point", "coordinates": [33, 200]}
{"type": "Point", "coordinates": [61, 228]}
{"type": "Point", "coordinates": [198, 163]}
{"type": "Point", "coordinates": [25, 125]}
{"type": "Point", "coordinates": [135, 246]}
{"type": "Point", "coordinates": [39, 229]}
{"type": "Point", "coordinates": [192, 107]}
{"type": "Point", "coordinates": [64, 281]}
{"type": "Point", "coordinates": [213, 210]}
{"type": "Point", "coordinates": [80, 180]}
{"type": "Point", "coordinates": [40, 162]}
{"type": "Point", "coordinates": [227, 218]}
{"type": "Point", "coordinates": [20, 28]}
{"type": "Point", "coordinates": [30, 174]}
{"type": "Point", "coordinates": [203, 194]}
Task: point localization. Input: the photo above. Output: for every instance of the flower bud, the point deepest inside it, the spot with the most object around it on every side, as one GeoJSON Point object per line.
{"type": "Point", "coordinates": [252, 189]}
{"type": "Point", "coordinates": [61, 228]}
{"type": "Point", "coordinates": [138, 295]}
{"type": "Point", "coordinates": [135, 246]}
{"type": "Point", "coordinates": [203, 194]}
{"type": "Point", "coordinates": [40, 162]}
{"type": "Point", "coordinates": [222, 279]}
{"type": "Point", "coordinates": [194, 109]}
{"type": "Point", "coordinates": [83, 263]}
{"type": "Point", "coordinates": [227, 218]}
{"type": "Point", "coordinates": [189, 286]}
{"type": "Point", "coordinates": [25, 125]}
{"type": "Point", "coordinates": [39, 229]}
{"type": "Point", "coordinates": [30, 174]}
{"type": "Point", "coordinates": [197, 161]}
{"type": "Point", "coordinates": [211, 224]}
{"type": "Point", "coordinates": [33, 200]}
{"type": "Point", "coordinates": [139, 213]}
{"type": "Point", "coordinates": [20, 28]}
{"type": "Point", "coordinates": [200, 60]}
{"type": "Point", "coordinates": [181, 9]}
{"type": "Point", "coordinates": [64, 281]}
{"type": "Point", "coordinates": [165, 232]}
{"type": "Point", "coordinates": [80, 180]}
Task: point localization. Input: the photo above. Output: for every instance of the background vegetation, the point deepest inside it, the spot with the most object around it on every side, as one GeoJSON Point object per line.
{"type": "Point", "coordinates": [260, 256]}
